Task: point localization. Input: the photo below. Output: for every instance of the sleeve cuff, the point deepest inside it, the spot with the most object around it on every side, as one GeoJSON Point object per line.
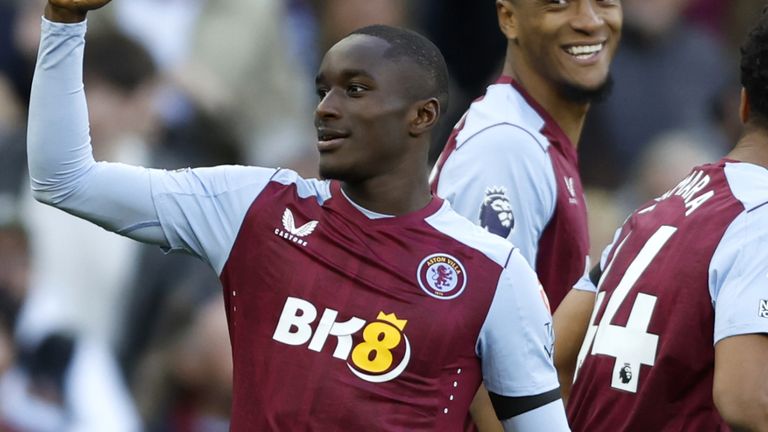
{"type": "Point", "coordinates": [740, 329]}
{"type": "Point", "coordinates": [67, 29]}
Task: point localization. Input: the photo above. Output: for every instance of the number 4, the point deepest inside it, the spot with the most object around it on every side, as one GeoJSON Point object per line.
{"type": "Point", "coordinates": [632, 345]}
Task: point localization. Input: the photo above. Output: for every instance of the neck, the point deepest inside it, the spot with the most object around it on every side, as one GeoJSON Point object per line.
{"type": "Point", "coordinates": [752, 147]}
{"type": "Point", "coordinates": [396, 192]}
{"type": "Point", "coordinates": [569, 115]}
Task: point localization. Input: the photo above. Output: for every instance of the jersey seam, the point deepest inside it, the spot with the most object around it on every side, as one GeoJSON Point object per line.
{"type": "Point", "coordinates": [757, 207]}
{"type": "Point", "coordinates": [216, 194]}
{"type": "Point", "coordinates": [509, 256]}
{"type": "Point", "coordinates": [737, 271]}
{"type": "Point", "coordinates": [474, 135]}
{"type": "Point", "coordinates": [137, 226]}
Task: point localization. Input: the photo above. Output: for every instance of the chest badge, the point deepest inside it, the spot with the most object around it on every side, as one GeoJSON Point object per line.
{"type": "Point", "coordinates": [442, 276]}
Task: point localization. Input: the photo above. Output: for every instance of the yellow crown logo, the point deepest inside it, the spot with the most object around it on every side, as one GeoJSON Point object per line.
{"type": "Point", "coordinates": [392, 319]}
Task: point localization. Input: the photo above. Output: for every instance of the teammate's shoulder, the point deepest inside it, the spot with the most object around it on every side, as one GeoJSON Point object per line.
{"type": "Point", "coordinates": [502, 111]}
{"type": "Point", "coordinates": [748, 183]}
{"type": "Point", "coordinates": [745, 237]}
{"type": "Point", "coordinates": [461, 229]}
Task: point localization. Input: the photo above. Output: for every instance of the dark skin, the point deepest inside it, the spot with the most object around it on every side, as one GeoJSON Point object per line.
{"type": "Point", "coordinates": [71, 11]}
{"type": "Point", "coordinates": [372, 135]}
{"type": "Point", "coordinates": [539, 35]}
{"type": "Point", "coordinates": [376, 135]}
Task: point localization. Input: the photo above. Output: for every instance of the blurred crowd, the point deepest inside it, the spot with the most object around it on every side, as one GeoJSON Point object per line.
{"type": "Point", "coordinates": [124, 341]}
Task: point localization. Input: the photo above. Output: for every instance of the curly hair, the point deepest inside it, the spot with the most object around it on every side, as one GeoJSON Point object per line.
{"type": "Point", "coordinates": [754, 69]}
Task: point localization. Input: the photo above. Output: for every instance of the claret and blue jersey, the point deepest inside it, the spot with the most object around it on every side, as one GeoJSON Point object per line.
{"type": "Point", "coordinates": [398, 317]}
{"type": "Point", "coordinates": [340, 318]}
{"type": "Point", "coordinates": [685, 271]}
{"type": "Point", "coordinates": [509, 167]}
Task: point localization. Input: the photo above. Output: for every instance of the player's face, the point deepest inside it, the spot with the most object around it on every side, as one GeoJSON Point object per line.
{"type": "Point", "coordinates": [361, 118]}
{"type": "Point", "coordinates": [569, 43]}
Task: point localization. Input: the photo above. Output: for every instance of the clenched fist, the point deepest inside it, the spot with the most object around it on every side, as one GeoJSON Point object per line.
{"type": "Point", "coordinates": [71, 11]}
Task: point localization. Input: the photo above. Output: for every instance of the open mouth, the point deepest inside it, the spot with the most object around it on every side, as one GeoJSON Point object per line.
{"type": "Point", "coordinates": [585, 52]}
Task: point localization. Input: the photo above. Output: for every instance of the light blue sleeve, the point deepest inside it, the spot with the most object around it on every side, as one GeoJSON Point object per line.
{"type": "Point", "coordinates": [516, 340]}
{"type": "Point", "coordinates": [738, 276]}
{"type": "Point", "coordinates": [502, 179]}
{"type": "Point", "coordinates": [199, 211]}
{"type": "Point", "coordinates": [585, 284]}
{"type": "Point", "coordinates": [62, 170]}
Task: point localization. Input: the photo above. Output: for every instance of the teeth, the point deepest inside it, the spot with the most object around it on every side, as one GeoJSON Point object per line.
{"type": "Point", "coordinates": [584, 51]}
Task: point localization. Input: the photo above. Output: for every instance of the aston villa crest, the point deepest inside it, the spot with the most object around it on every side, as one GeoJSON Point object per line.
{"type": "Point", "coordinates": [442, 276]}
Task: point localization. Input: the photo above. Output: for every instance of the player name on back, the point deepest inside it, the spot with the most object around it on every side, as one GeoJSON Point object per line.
{"type": "Point", "coordinates": [691, 190]}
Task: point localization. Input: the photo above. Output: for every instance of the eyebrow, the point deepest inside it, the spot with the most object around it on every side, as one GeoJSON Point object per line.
{"type": "Point", "coordinates": [347, 74]}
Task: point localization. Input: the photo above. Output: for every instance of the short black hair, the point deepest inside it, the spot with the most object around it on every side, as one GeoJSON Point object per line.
{"type": "Point", "coordinates": [422, 52]}
{"type": "Point", "coordinates": [117, 59]}
{"type": "Point", "coordinates": [754, 69]}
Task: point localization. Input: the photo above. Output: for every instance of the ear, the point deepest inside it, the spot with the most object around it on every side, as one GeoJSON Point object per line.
{"type": "Point", "coordinates": [426, 117]}
{"type": "Point", "coordinates": [744, 106]}
{"type": "Point", "coordinates": [507, 18]}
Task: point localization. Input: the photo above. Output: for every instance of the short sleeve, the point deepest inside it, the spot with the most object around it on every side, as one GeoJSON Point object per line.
{"type": "Point", "coordinates": [503, 180]}
{"type": "Point", "coordinates": [516, 340]}
{"type": "Point", "coordinates": [588, 281]}
{"type": "Point", "coordinates": [585, 284]}
{"type": "Point", "coordinates": [738, 276]}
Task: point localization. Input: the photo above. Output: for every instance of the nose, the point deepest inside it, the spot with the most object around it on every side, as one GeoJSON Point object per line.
{"type": "Point", "coordinates": [588, 18]}
{"type": "Point", "coordinates": [328, 107]}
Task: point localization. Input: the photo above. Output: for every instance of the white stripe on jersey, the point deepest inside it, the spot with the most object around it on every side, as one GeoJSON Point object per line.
{"type": "Point", "coordinates": [447, 221]}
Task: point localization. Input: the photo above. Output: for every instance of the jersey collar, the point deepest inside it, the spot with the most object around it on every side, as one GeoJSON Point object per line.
{"type": "Point", "coordinates": [357, 213]}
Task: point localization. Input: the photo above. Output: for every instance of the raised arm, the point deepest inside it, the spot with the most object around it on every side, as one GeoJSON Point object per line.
{"type": "Point", "coordinates": [62, 170]}
{"type": "Point", "coordinates": [195, 210]}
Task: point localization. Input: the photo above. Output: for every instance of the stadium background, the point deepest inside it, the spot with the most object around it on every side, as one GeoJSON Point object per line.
{"type": "Point", "coordinates": [176, 83]}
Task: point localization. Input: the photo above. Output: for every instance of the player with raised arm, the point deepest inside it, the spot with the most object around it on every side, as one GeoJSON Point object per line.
{"type": "Point", "coordinates": [511, 165]}
{"type": "Point", "coordinates": [360, 302]}
{"type": "Point", "coordinates": [678, 339]}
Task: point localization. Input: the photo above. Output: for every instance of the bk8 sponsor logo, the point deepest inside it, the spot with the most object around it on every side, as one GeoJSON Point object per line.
{"type": "Point", "coordinates": [372, 360]}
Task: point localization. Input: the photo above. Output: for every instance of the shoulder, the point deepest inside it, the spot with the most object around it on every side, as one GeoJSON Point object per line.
{"type": "Point", "coordinates": [747, 230]}
{"type": "Point", "coordinates": [304, 187]}
{"type": "Point", "coordinates": [741, 251]}
{"type": "Point", "coordinates": [748, 183]}
{"type": "Point", "coordinates": [459, 228]}
{"type": "Point", "coordinates": [502, 116]}
{"type": "Point", "coordinates": [228, 179]}
{"type": "Point", "coordinates": [500, 149]}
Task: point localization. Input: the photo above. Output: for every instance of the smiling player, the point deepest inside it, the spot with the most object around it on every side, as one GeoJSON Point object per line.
{"type": "Point", "coordinates": [511, 165]}
{"type": "Point", "coordinates": [357, 303]}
